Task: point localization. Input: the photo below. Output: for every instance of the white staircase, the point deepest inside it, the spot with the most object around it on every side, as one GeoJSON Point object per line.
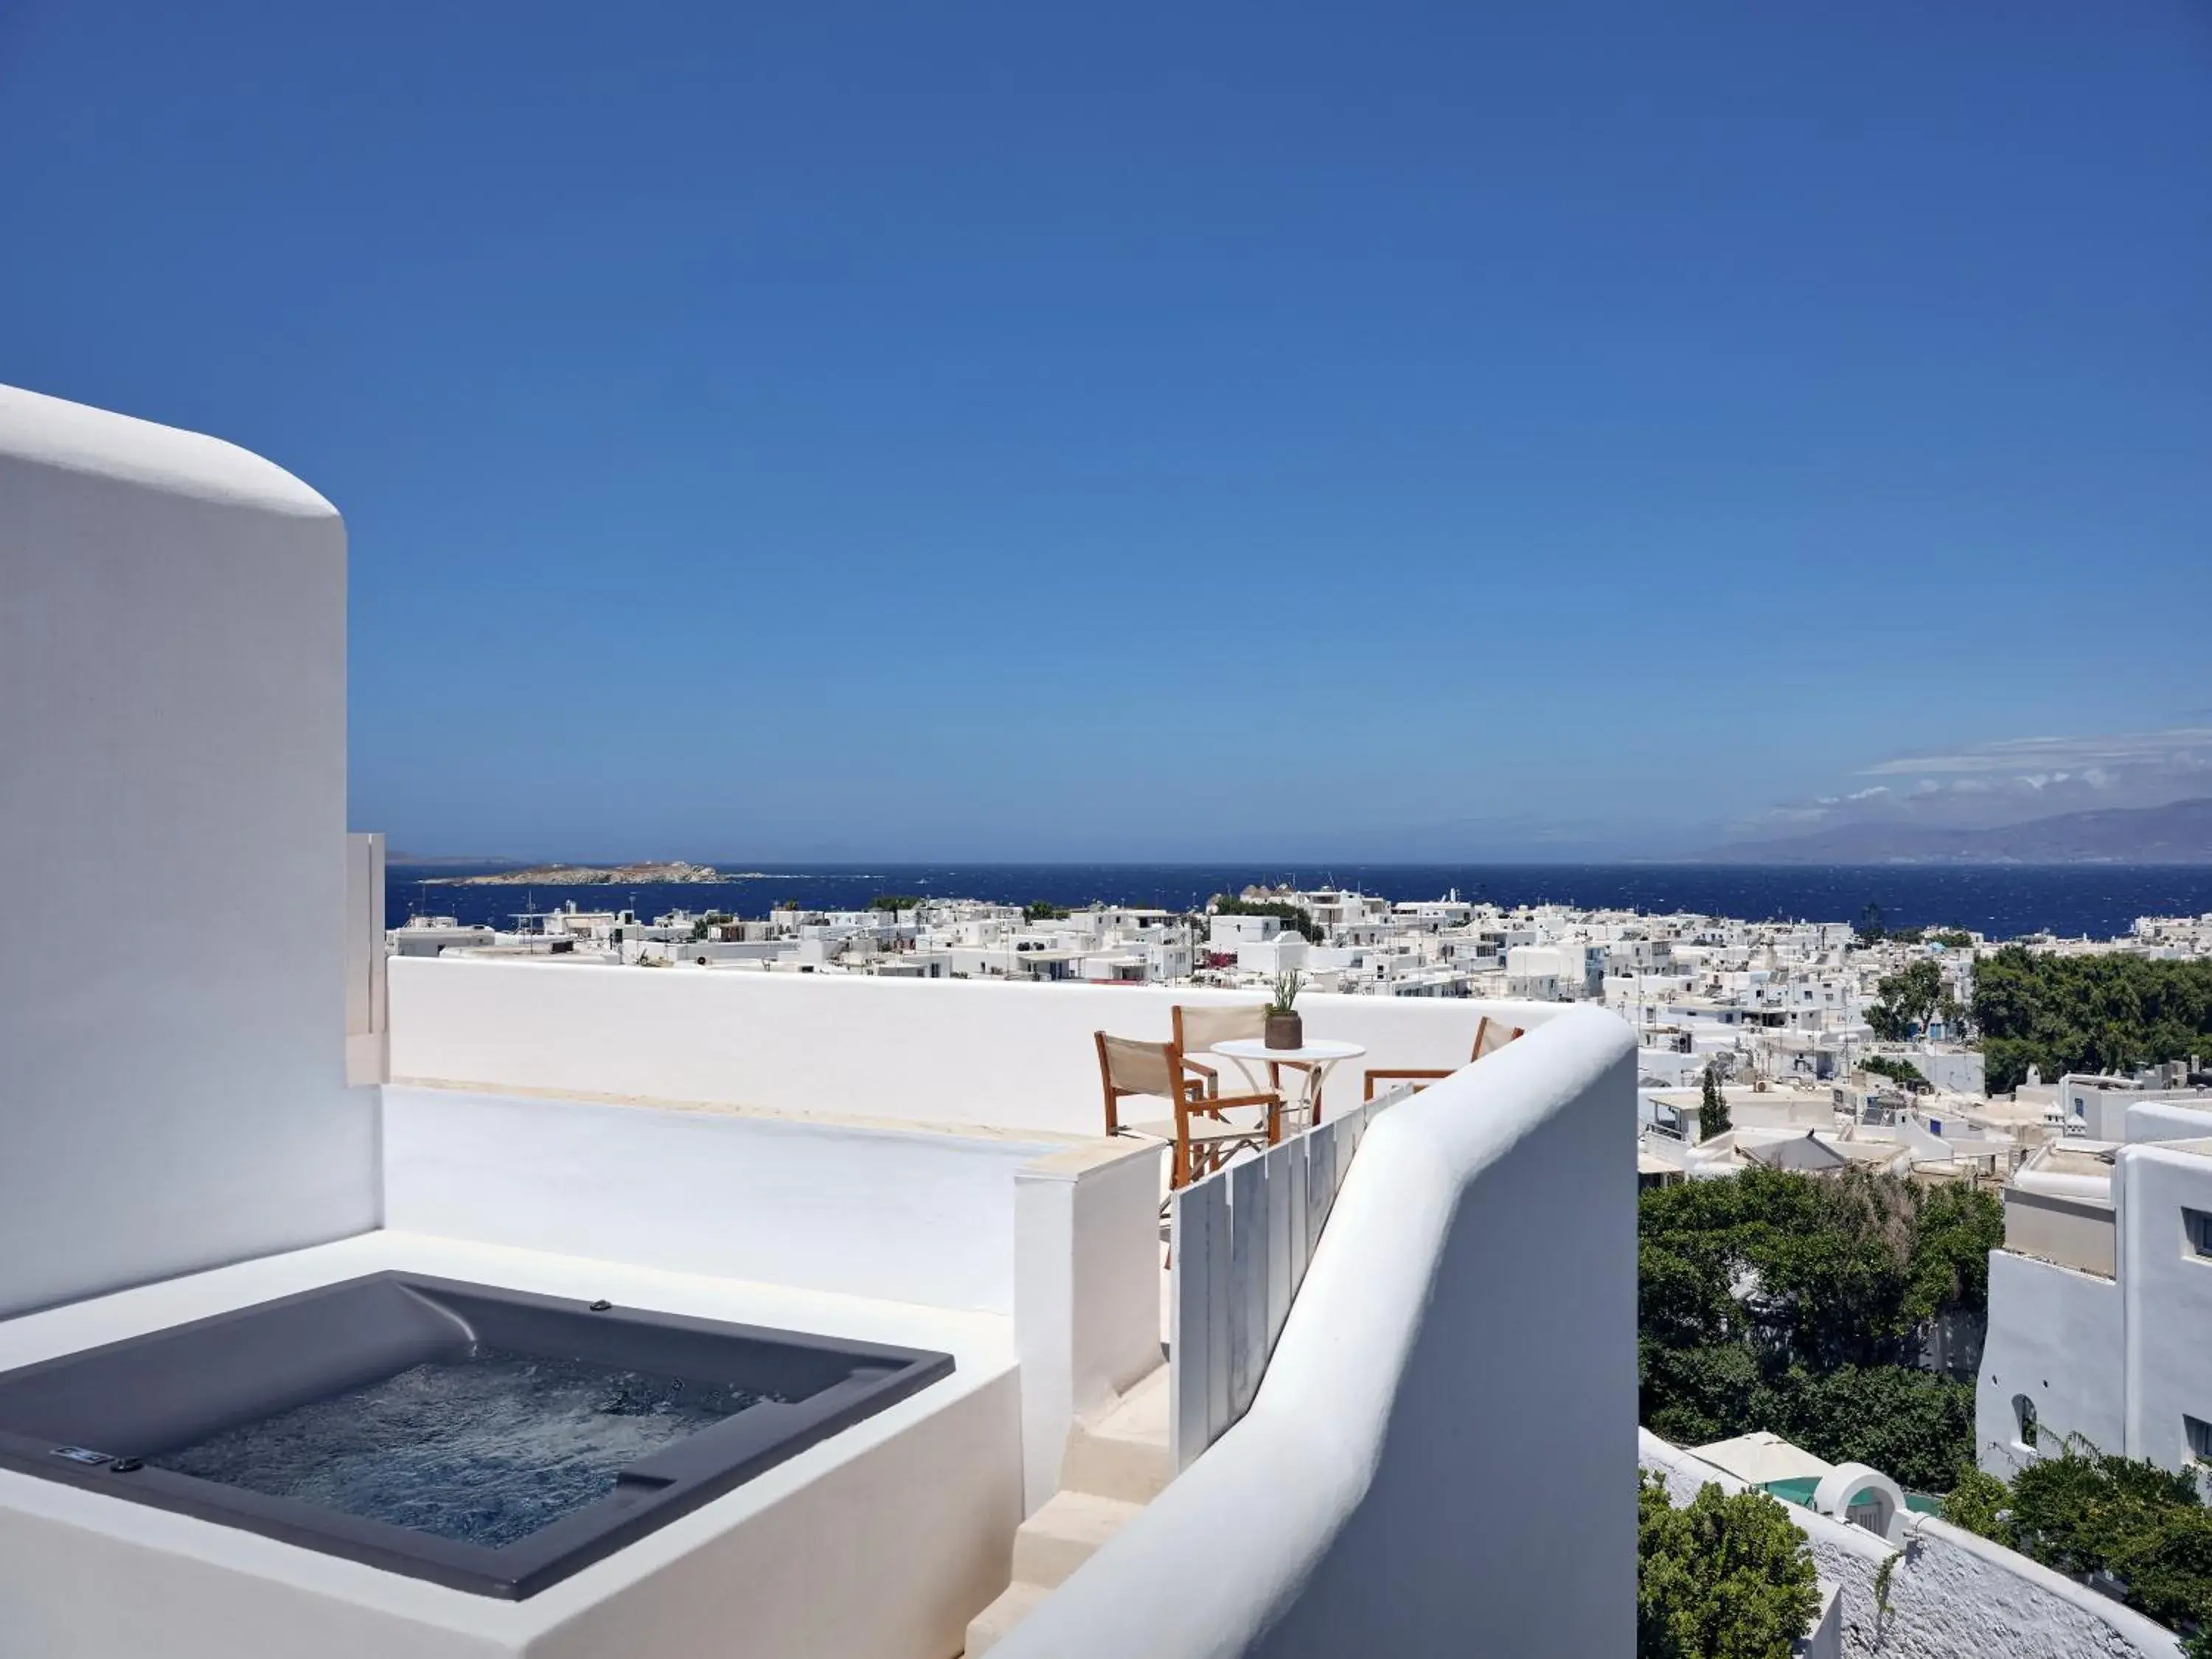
{"type": "Point", "coordinates": [1115, 1464]}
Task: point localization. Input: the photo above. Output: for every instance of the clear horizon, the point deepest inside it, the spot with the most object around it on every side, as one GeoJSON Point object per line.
{"type": "Point", "coordinates": [1545, 434]}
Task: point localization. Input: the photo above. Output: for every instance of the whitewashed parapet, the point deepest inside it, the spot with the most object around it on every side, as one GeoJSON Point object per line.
{"type": "Point", "coordinates": [1243, 1238]}
{"type": "Point", "coordinates": [1439, 1459]}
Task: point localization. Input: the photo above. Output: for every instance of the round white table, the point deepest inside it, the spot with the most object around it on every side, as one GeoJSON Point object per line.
{"type": "Point", "coordinates": [1314, 1057]}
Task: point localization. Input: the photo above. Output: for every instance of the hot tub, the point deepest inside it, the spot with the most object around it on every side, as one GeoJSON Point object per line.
{"type": "Point", "coordinates": [487, 1439]}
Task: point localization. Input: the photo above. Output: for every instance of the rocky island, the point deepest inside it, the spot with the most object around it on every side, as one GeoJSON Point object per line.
{"type": "Point", "coordinates": [586, 875]}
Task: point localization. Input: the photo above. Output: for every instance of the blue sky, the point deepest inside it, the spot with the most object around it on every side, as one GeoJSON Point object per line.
{"type": "Point", "coordinates": [1002, 431]}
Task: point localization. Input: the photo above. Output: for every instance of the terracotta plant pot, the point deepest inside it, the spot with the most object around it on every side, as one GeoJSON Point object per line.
{"type": "Point", "coordinates": [1285, 1030]}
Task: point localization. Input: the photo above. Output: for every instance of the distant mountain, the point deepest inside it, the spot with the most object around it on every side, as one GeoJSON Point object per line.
{"type": "Point", "coordinates": [2179, 832]}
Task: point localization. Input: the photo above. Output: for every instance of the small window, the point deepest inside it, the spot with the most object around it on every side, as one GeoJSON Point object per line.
{"type": "Point", "coordinates": [2023, 1411]}
{"type": "Point", "coordinates": [2200, 1439]}
{"type": "Point", "coordinates": [2196, 1226]}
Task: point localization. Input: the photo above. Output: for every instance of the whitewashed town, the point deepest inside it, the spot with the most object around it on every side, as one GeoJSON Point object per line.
{"type": "Point", "coordinates": [1460, 834]}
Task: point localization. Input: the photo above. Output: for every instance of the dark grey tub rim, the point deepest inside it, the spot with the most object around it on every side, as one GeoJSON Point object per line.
{"type": "Point", "coordinates": [680, 1479]}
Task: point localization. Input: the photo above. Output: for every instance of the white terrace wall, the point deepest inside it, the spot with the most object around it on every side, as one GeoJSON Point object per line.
{"type": "Point", "coordinates": [1439, 1458]}
{"type": "Point", "coordinates": [1062, 1238]}
{"type": "Point", "coordinates": [943, 1051]}
{"type": "Point", "coordinates": [1951, 1594]}
{"type": "Point", "coordinates": [172, 743]}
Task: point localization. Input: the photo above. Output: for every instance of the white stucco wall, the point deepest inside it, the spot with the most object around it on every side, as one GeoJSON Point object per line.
{"type": "Point", "coordinates": [172, 746]}
{"type": "Point", "coordinates": [2163, 1119]}
{"type": "Point", "coordinates": [2166, 1290]}
{"type": "Point", "coordinates": [2054, 1335]}
{"type": "Point", "coordinates": [1951, 1594]}
{"type": "Point", "coordinates": [945, 1051]}
{"type": "Point", "coordinates": [2120, 1360]}
{"type": "Point", "coordinates": [1086, 1291]}
{"type": "Point", "coordinates": [862, 1211]}
{"type": "Point", "coordinates": [1439, 1459]}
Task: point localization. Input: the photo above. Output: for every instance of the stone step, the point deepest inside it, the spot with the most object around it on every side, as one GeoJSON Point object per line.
{"type": "Point", "coordinates": [1065, 1533]}
{"type": "Point", "coordinates": [992, 1624]}
{"type": "Point", "coordinates": [1123, 1453]}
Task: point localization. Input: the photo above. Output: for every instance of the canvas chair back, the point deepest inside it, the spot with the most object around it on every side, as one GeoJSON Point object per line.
{"type": "Point", "coordinates": [1200, 1025]}
{"type": "Point", "coordinates": [1139, 1069]}
{"type": "Point", "coordinates": [1492, 1036]}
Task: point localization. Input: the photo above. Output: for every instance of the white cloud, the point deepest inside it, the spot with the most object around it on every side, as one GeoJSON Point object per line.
{"type": "Point", "coordinates": [2189, 747]}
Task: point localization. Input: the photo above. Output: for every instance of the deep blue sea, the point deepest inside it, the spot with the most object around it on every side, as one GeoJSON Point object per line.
{"type": "Point", "coordinates": [2001, 901]}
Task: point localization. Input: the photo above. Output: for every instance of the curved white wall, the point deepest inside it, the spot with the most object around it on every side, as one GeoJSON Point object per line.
{"type": "Point", "coordinates": [1440, 1459]}
{"type": "Point", "coordinates": [171, 752]}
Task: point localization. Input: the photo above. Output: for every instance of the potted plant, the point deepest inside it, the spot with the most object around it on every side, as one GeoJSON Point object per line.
{"type": "Point", "coordinates": [1286, 1027]}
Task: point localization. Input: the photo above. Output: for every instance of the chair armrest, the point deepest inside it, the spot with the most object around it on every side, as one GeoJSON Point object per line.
{"type": "Point", "coordinates": [1213, 1078]}
{"type": "Point", "coordinates": [1427, 1074]}
{"type": "Point", "coordinates": [1216, 1102]}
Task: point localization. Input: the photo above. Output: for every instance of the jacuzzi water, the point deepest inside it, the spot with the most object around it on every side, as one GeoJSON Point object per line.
{"type": "Point", "coordinates": [483, 1450]}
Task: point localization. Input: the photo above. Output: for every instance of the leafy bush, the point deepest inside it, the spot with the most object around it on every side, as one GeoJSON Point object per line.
{"type": "Point", "coordinates": [1726, 1577]}
{"type": "Point", "coordinates": [1042, 910]}
{"type": "Point", "coordinates": [895, 902]}
{"type": "Point", "coordinates": [1978, 1502]}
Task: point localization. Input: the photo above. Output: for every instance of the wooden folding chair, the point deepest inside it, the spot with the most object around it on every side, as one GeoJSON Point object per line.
{"type": "Point", "coordinates": [1203, 1140]}
{"type": "Point", "coordinates": [1490, 1037]}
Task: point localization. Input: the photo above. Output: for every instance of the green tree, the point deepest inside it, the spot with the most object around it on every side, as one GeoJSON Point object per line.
{"type": "Point", "coordinates": [1785, 1302]}
{"type": "Point", "coordinates": [2110, 1012]}
{"type": "Point", "coordinates": [1727, 1576]}
{"type": "Point", "coordinates": [1042, 910]}
{"type": "Point", "coordinates": [895, 902]}
{"type": "Point", "coordinates": [1912, 1425]}
{"type": "Point", "coordinates": [1713, 1119]}
{"type": "Point", "coordinates": [2080, 1511]}
{"type": "Point", "coordinates": [1912, 999]}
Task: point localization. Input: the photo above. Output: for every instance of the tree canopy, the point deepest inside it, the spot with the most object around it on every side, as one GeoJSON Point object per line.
{"type": "Point", "coordinates": [1726, 1577]}
{"type": "Point", "coordinates": [2080, 1511]}
{"type": "Point", "coordinates": [1912, 999]}
{"type": "Point", "coordinates": [2109, 1012]}
{"type": "Point", "coordinates": [1795, 1304]}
